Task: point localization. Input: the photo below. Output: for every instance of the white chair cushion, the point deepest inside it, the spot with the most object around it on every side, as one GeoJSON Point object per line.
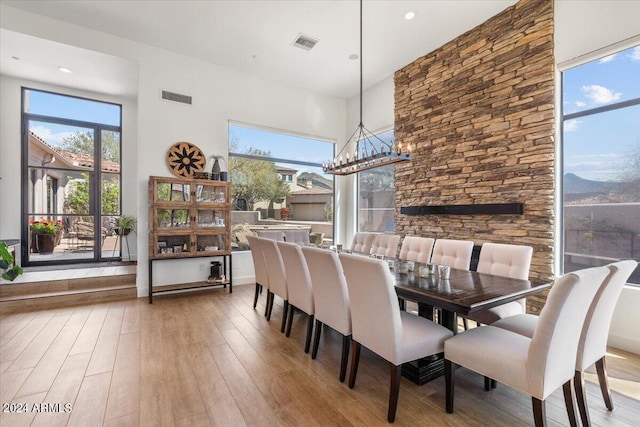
{"type": "Point", "coordinates": [420, 336]}
{"type": "Point", "coordinates": [493, 352]}
{"type": "Point", "coordinates": [490, 315]}
{"type": "Point", "coordinates": [362, 242]}
{"type": "Point", "coordinates": [505, 260]}
{"type": "Point", "coordinates": [297, 275]}
{"type": "Point", "coordinates": [275, 267]}
{"type": "Point", "coordinates": [523, 324]}
{"type": "Point", "coordinates": [386, 245]}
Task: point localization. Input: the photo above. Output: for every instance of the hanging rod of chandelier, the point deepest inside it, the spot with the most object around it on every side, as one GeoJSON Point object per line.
{"type": "Point", "coordinates": [371, 151]}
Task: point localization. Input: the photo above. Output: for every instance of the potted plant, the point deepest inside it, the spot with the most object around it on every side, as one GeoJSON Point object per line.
{"type": "Point", "coordinates": [7, 263]}
{"type": "Point", "coordinates": [45, 233]}
{"type": "Point", "coordinates": [125, 224]}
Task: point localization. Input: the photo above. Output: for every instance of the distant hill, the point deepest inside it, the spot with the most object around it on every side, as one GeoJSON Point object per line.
{"type": "Point", "coordinates": [573, 184]}
{"type": "Point", "coordinates": [317, 180]}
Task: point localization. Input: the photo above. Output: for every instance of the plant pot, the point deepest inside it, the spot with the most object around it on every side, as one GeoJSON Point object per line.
{"type": "Point", "coordinates": [45, 243]}
{"type": "Point", "coordinates": [124, 232]}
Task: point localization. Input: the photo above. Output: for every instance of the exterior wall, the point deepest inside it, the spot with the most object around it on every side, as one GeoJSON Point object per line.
{"type": "Point", "coordinates": [479, 114]}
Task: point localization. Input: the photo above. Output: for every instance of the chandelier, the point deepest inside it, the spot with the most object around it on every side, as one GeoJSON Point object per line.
{"type": "Point", "coordinates": [371, 151]}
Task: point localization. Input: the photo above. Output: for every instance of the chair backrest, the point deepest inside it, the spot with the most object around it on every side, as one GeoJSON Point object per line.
{"type": "Point", "coordinates": [593, 340]}
{"type": "Point", "coordinates": [505, 260]}
{"type": "Point", "coordinates": [275, 267]}
{"type": "Point", "coordinates": [297, 275]}
{"type": "Point", "coordinates": [271, 234]}
{"type": "Point", "coordinates": [417, 249]}
{"type": "Point", "coordinates": [554, 345]}
{"type": "Point", "coordinates": [454, 253]}
{"type": "Point", "coordinates": [300, 237]}
{"type": "Point", "coordinates": [386, 245]}
{"type": "Point", "coordinates": [362, 242]}
{"type": "Point", "coordinates": [331, 298]}
{"type": "Point", "coordinates": [375, 312]}
{"type": "Point", "coordinates": [262, 277]}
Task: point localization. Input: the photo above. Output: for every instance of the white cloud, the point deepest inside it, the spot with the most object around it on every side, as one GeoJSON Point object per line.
{"type": "Point", "coordinates": [598, 167]}
{"type": "Point", "coordinates": [571, 125]}
{"type": "Point", "coordinates": [600, 94]}
{"type": "Point", "coordinates": [607, 59]}
{"type": "Point", "coordinates": [635, 54]}
{"type": "Point", "coordinates": [581, 104]}
{"type": "Point", "coordinates": [53, 139]}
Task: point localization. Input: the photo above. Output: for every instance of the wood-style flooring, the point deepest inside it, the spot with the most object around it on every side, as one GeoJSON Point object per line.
{"type": "Point", "coordinates": [208, 358]}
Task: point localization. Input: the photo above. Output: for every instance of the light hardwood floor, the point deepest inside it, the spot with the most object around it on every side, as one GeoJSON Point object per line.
{"type": "Point", "coordinates": [208, 358]}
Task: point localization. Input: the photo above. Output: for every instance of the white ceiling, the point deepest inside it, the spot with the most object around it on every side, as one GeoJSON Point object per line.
{"type": "Point", "coordinates": [249, 36]}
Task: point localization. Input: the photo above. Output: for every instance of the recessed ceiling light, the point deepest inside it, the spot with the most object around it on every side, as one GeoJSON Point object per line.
{"type": "Point", "coordinates": [65, 69]}
{"type": "Point", "coordinates": [353, 56]}
{"type": "Point", "coordinates": [409, 15]}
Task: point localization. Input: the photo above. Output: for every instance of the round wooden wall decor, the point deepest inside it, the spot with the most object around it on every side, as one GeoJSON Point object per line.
{"type": "Point", "coordinates": [185, 159]}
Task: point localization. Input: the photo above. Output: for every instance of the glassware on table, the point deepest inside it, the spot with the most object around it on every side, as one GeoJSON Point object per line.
{"type": "Point", "coordinates": [443, 272]}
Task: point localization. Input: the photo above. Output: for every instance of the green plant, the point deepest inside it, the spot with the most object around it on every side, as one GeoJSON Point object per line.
{"type": "Point", "coordinates": [126, 222]}
{"type": "Point", "coordinates": [6, 263]}
{"type": "Point", "coordinates": [46, 227]}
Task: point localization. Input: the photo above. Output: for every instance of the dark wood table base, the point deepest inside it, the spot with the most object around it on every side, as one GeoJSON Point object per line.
{"type": "Point", "coordinates": [424, 370]}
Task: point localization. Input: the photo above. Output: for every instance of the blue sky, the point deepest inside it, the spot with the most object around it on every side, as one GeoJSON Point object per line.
{"type": "Point", "coordinates": [598, 147]}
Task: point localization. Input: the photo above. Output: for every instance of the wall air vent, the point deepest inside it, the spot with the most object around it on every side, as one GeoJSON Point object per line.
{"type": "Point", "coordinates": [304, 42]}
{"type": "Point", "coordinates": [176, 97]}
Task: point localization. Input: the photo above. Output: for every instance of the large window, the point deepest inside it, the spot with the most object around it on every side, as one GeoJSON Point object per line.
{"type": "Point", "coordinates": [376, 192]}
{"type": "Point", "coordinates": [601, 161]}
{"type": "Point", "coordinates": [71, 178]}
{"type": "Point", "coordinates": [278, 183]}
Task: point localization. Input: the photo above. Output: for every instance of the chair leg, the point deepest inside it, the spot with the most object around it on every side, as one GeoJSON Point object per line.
{"type": "Point", "coordinates": [487, 383]}
{"type": "Point", "coordinates": [570, 403]}
{"type": "Point", "coordinates": [581, 396]}
{"type": "Point", "coordinates": [289, 321]}
{"type": "Point", "coordinates": [449, 379]}
{"type": "Point", "coordinates": [402, 304]}
{"type": "Point", "coordinates": [394, 391]}
{"type": "Point", "coordinates": [465, 324]}
{"type": "Point", "coordinates": [346, 342]}
{"type": "Point", "coordinates": [355, 359]}
{"type": "Point", "coordinates": [255, 297]}
{"type": "Point", "coordinates": [494, 383]}
{"type": "Point", "coordinates": [601, 368]}
{"type": "Point", "coordinates": [307, 341]}
{"type": "Point", "coordinates": [539, 412]}
{"type": "Point", "coordinates": [316, 339]}
{"type": "Point", "coordinates": [285, 312]}
{"type": "Point", "coordinates": [269, 305]}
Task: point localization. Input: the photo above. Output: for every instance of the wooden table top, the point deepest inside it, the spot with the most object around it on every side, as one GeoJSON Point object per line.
{"type": "Point", "coordinates": [466, 291]}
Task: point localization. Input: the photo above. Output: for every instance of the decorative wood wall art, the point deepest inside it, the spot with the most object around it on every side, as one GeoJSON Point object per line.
{"type": "Point", "coordinates": [185, 159]}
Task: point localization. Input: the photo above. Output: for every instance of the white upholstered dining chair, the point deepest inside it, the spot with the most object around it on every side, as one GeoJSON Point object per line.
{"type": "Point", "coordinates": [362, 241]}
{"type": "Point", "coordinates": [454, 253]}
{"type": "Point", "coordinates": [380, 325]}
{"type": "Point", "coordinates": [277, 277]}
{"type": "Point", "coordinates": [416, 249]}
{"type": "Point", "coordinates": [385, 245]}
{"type": "Point", "coordinates": [538, 365]}
{"type": "Point", "coordinates": [505, 260]}
{"type": "Point", "coordinates": [260, 268]}
{"type": "Point", "coordinates": [592, 347]}
{"type": "Point", "coordinates": [331, 300]}
{"type": "Point", "coordinates": [298, 287]}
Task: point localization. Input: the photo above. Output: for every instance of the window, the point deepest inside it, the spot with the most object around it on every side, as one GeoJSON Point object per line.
{"type": "Point", "coordinates": [601, 161]}
{"type": "Point", "coordinates": [71, 178]}
{"type": "Point", "coordinates": [376, 193]}
{"type": "Point", "coordinates": [278, 182]}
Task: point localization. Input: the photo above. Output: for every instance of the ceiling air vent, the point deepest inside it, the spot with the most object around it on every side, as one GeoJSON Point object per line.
{"type": "Point", "coordinates": [176, 97]}
{"type": "Point", "coordinates": [304, 42]}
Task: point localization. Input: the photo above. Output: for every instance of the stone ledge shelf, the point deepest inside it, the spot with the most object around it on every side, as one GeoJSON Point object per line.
{"type": "Point", "coordinates": [479, 209]}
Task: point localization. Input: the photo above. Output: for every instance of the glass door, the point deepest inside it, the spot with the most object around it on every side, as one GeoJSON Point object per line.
{"type": "Point", "coordinates": [72, 185]}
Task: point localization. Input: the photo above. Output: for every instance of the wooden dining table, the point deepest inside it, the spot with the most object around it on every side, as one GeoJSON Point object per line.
{"type": "Point", "coordinates": [465, 292]}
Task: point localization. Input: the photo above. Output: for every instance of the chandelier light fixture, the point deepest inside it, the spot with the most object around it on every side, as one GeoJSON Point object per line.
{"type": "Point", "coordinates": [371, 151]}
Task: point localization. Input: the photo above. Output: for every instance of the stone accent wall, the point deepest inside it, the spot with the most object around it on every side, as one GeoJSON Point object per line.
{"type": "Point", "coordinates": [479, 116]}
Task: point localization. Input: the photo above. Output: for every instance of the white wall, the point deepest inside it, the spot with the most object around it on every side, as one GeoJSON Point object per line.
{"type": "Point", "coordinates": [219, 94]}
